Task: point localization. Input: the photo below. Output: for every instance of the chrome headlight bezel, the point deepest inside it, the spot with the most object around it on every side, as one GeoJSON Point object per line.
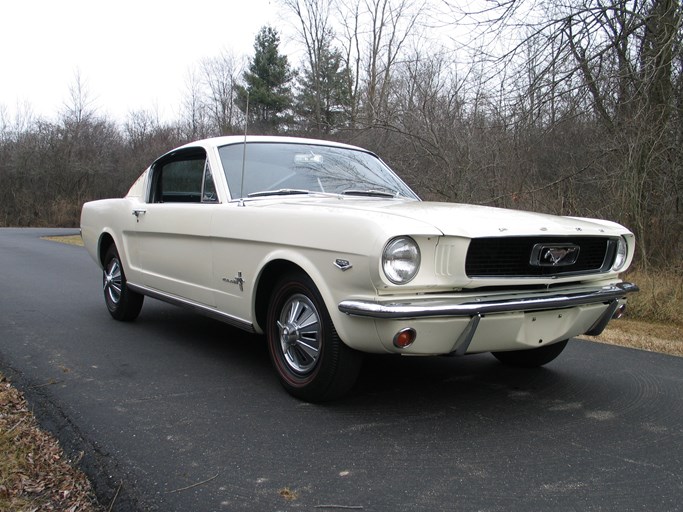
{"type": "Point", "coordinates": [401, 259]}
{"type": "Point", "coordinates": [620, 255]}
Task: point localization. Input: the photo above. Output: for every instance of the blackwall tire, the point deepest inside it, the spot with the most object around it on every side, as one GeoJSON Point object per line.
{"type": "Point", "coordinates": [312, 362]}
{"type": "Point", "coordinates": [122, 303]}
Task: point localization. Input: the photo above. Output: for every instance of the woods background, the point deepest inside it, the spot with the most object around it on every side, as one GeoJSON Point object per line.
{"type": "Point", "coordinates": [571, 107]}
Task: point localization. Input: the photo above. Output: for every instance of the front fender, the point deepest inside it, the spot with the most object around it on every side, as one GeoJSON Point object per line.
{"type": "Point", "coordinates": [333, 283]}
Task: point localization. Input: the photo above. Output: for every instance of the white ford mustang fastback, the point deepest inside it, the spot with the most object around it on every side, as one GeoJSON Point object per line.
{"type": "Point", "coordinates": [322, 248]}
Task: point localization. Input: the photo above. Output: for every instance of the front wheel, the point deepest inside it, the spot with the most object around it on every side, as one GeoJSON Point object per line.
{"type": "Point", "coordinates": [312, 362]}
{"type": "Point", "coordinates": [531, 358]}
{"type": "Point", "coordinates": [122, 303]}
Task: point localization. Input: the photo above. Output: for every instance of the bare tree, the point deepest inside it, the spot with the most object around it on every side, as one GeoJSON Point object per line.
{"type": "Point", "coordinates": [375, 34]}
{"type": "Point", "coordinates": [194, 112]}
{"type": "Point", "coordinates": [221, 78]}
{"type": "Point", "coordinates": [350, 15]}
{"type": "Point", "coordinates": [606, 68]}
{"type": "Point", "coordinates": [323, 82]}
{"type": "Point", "coordinates": [315, 34]}
{"type": "Point", "coordinates": [80, 106]}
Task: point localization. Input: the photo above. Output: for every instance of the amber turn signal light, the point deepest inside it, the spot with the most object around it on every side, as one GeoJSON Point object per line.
{"type": "Point", "coordinates": [405, 337]}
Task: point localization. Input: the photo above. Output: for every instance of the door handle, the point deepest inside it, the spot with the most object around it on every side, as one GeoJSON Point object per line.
{"type": "Point", "coordinates": [137, 212]}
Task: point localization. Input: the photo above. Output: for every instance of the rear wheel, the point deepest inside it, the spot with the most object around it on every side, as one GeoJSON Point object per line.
{"type": "Point", "coordinates": [122, 303]}
{"type": "Point", "coordinates": [312, 362]}
{"type": "Point", "coordinates": [531, 358]}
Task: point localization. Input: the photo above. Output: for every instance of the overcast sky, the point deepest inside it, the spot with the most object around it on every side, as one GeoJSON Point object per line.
{"type": "Point", "coordinates": [131, 54]}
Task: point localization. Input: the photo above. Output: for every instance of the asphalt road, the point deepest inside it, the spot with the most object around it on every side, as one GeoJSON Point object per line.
{"type": "Point", "coordinates": [177, 412]}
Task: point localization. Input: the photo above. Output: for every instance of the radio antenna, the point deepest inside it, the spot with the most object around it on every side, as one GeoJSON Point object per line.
{"type": "Point", "coordinates": [244, 151]}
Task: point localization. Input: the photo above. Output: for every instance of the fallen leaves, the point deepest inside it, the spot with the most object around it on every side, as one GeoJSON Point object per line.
{"type": "Point", "coordinates": [288, 494]}
{"type": "Point", "coordinates": [34, 474]}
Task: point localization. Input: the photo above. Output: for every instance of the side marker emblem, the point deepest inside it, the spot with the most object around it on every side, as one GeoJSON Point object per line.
{"type": "Point", "coordinates": [237, 280]}
{"type": "Point", "coordinates": [343, 265]}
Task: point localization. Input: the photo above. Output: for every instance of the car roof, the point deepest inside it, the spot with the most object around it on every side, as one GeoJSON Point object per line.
{"type": "Point", "coordinates": [238, 139]}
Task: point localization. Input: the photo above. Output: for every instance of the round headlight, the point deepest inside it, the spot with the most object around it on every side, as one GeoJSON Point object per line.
{"type": "Point", "coordinates": [621, 255]}
{"type": "Point", "coordinates": [401, 260]}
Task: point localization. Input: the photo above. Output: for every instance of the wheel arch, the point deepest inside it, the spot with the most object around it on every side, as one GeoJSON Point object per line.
{"type": "Point", "coordinates": [106, 240]}
{"type": "Point", "coordinates": [267, 279]}
{"type": "Point", "coordinates": [332, 285]}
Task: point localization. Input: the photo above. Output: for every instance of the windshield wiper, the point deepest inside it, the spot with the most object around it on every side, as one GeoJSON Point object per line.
{"type": "Point", "coordinates": [279, 192]}
{"type": "Point", "coordinates": [369, 193]}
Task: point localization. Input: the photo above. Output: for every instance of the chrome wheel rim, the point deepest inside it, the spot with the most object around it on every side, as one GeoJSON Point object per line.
{"type": "Point", "coordinates": [113, 281]}
{"type": "Point", "coordinates": [299, 330]}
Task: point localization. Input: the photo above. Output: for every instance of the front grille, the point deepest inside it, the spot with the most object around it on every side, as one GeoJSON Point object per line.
{"type": "Point", "coordinates": [511, 256]}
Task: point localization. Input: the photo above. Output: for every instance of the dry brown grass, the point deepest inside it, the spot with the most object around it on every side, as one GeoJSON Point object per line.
{"type": "Point", "coordinates": [34, 475]}
{"type": "Point", "coordinates": [660, 298]}
{"type": "Point", "coordinates": [654, 337]}
{"type": "Point", "coordinates": [66, 239]}
{"type": "Point", "coordinates": [654, 318]}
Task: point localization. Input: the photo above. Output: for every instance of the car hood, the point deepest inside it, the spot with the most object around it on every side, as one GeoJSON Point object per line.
{"type": "Point", "coordinates": [464, 220]}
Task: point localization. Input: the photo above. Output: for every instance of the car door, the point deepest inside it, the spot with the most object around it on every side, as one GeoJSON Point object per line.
{"type": "Point", "coordinates": [173, 231]}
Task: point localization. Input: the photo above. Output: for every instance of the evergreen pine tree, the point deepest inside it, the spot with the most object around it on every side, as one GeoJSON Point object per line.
{"type": "Point", "coordinates": [323, 101]}
{"type": "Point", "coordinates": [268, 87]}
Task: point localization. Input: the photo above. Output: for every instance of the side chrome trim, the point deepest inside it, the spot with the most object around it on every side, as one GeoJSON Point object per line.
{"type": "Point", "coordinates": [431, 307]}
{"type": "Point", "coordinates": [194, 306]}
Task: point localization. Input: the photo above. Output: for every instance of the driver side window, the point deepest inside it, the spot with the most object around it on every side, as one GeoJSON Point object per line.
{"type": "Point", "coordinates": [183, 177]}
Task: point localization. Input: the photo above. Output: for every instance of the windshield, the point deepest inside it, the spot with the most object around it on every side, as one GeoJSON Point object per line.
{"type": "Point", "coordinates": [277, 168]}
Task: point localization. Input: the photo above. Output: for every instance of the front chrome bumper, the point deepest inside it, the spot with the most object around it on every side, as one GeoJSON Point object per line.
{"type": "Point", "coordinates": [475, 310]}
{"type": "Point", "coordinates": [431, 307]}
